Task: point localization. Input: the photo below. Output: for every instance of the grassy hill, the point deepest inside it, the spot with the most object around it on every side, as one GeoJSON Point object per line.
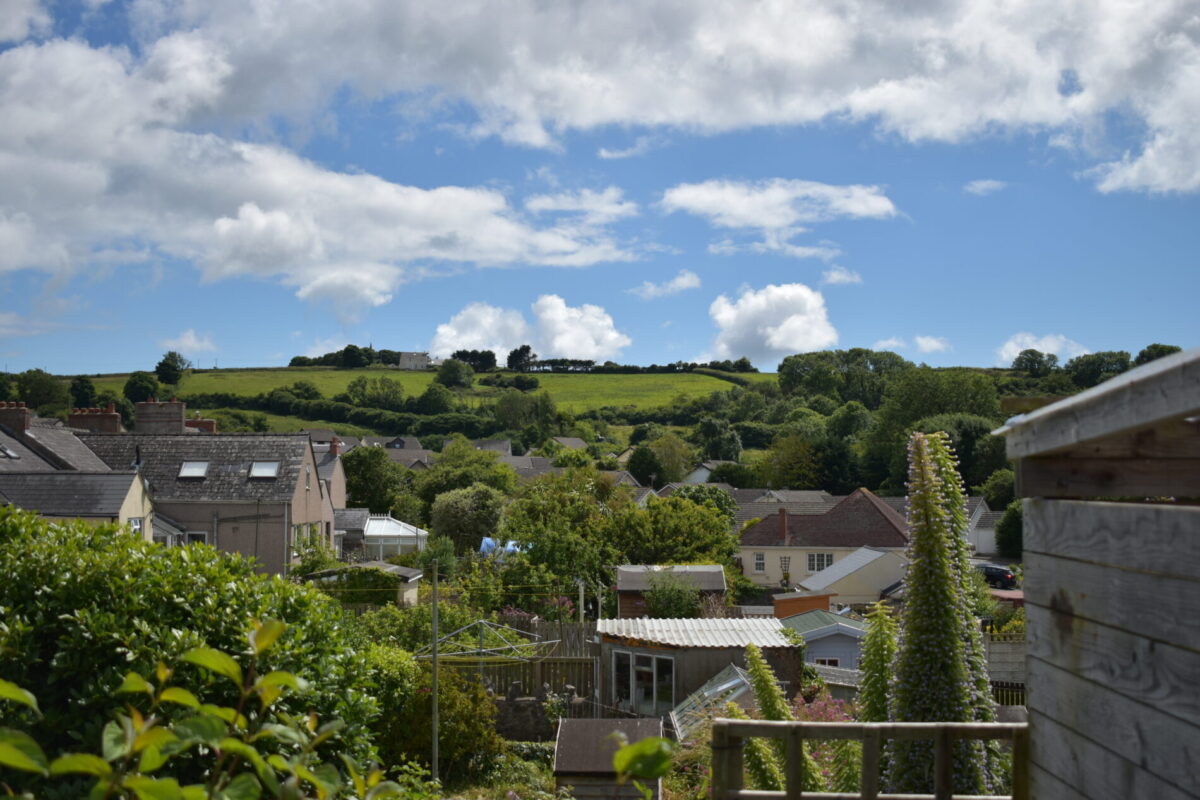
{"type": "Point", "coordinates": [571, 392]}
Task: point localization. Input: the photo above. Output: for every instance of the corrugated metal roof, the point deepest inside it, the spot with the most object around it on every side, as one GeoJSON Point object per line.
{"type": "Point", "coordinates": [697, 632]}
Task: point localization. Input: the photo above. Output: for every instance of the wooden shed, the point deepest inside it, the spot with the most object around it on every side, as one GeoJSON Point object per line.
{"type": "Point", "coordinates": [583, 757]}
{"type": "Point", "coordinates": [1111, 481]}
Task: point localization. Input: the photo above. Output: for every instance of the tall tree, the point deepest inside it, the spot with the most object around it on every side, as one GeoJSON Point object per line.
{"type": "Point", "coordinates": [1035, 362]}
{"type": "Point", "coordinates": [170, 369]}
{"type": "Point", "coordinates": [37, 388]}
{"type": "Point", "coordinates": [878, 654]}
{"type": "Point", "coordinates": [644, 466]}
{"type": "Point", "coordinates": [140, 387]}
{"type": "Point", "coordinates": [467, 515]}
{"type": "Point", "coordinates": [454, 374]}
{"type": "Point", "coordinates": [83, 392]}
{"type": "Point", "coordinates": [674, 456]}
{"type": "Point", "coordinates": [520, 359]}
{"type": "Point", "coordinates": [1095, 368]}
{"type": "Point", "coordinates": [372, 479]}
{"type": "Point", "coordinates": [353, 357]}
{"type": "Point", "coordinates": [933, 678]}
{"type": "Point", "coordinates": [1153, 351]}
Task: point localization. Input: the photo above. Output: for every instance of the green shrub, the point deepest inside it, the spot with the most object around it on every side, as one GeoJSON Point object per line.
{"type": "Point", "coordinates": [1010, 531]}
{"type": "Point", "coordinates": [87, 605]}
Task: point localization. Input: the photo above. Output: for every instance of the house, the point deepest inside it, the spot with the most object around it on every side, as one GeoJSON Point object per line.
{"type": "Point", "coordinates": [413, 360]}
{"type": "Point", "coordinates": [583, 757]}
{"type": "Point", "coordinates": [785, 547]}
{"type": "Point", "coordinates": [633, 581]}
{"type": "Point", "coordinates": [330, 470]}
{"type": "Point", "coordinates": [501, 446]}
{"type": "Point", "coordinates": [701, 473]}
{"type": "Point", "coordinates": [121, 498]}
{"type": "Point", "coordinates": [832, 640]}
{"type": "Point", "coordinates": [34, 444]}
{"type": "Point", "coordinates": [571, 442]}
{"type": "Point", "coordinates": [1109, 479]}
{"type": "Point", "coordinates": [385, 536]}
{"type": "Point", "coordinates": [247, 493]}
{"type": "Point", "coordinates": [860, 577]}
{"type": "Point", "coordinates": [982, 535]}
{"type": "Point", "coordinates": [404, 580]}
{"type": "Point", "coordinates": [648, 665]}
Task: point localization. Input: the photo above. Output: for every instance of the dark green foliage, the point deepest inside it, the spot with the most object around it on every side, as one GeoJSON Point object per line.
{"type": "Point", "coordinates": [6, 386]}
{"type": "Point", "coordinates": [791, 463]}
{"type": "Point", "coordinates": [84, 606]}
{"type": "Point", "coordinates": [672, 597]}
{"type": "Point", "coordinates": [83, 392]}
{"type": "Point", "coordinates": [675, 458]}
{"type": "Point", "coordinates": [478, 360]}
{"type": "Point", "coordinates": [38, 388]}
{"type": "Point", "coordinates": [718, 439]}
{"type": "Point", "coordinates": [643, 465]}
{"type": "Point", "coordinates": [739, 476]}
{"type": "Point", "coordinates": [381, 392]}
{"type": "Point", "coordinates": [521, 358]}
{"type": "Point", "coordinates": [1095, 368]}
{"type": "Point", "coordinates": [844, 375]}
{"type": "Point", "coordinates": [354, 357]}
{"type": "Point", "coordinates": [465, 516]}
{"type": "Point", "coordinates": [121, 404]}
{"type": "Point", "coordinates": [998, 490]}
{"type": "Point", "coordinates": [440, 549]}
{"type": "Point", "coordinates": [672, 530]}
{"type": "Point", "coordinates": [1153, 351]}
{"type": "Point", "coordinates": [437, 399]}
{"type": "Point", "coordinates": [171, 368]}
{"type": "Point", "coordinates": [1010, 531]}
{"type": "Point", "coordinates": [460, 465]}
{"type": "Point", "coordinates": [715, 496]}
{"type": "Point", "coordinates": [454, 374]}
{"type": "Point", "coordinates": [968, 434]}
{"type": "Point", "coordinates": [140, 387]}
{"type": "Point", "coordinates": [646, 432]}
{"type": "Point", "coordinates": [372, 479]}
{"type": "Point", "coordinates": [1035, 362]}
{"type": "Point", "coordinates": [305, 390]}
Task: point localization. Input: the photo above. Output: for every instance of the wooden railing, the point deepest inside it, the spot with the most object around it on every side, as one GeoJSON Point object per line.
{"type": "Point", "coordinates": [729, 737]}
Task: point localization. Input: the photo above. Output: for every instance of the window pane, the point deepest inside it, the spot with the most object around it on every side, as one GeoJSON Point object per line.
{"type": "Point", "coordinates": [643, 685]}
{"type": "Point", "coordinates": [193, 469]}
{"type": "Point", "coordinates": [264, 469]}
{"type": "Point", "coordinates": [621, 678]}
{"type": "Point", "coordinates": [664, 685]}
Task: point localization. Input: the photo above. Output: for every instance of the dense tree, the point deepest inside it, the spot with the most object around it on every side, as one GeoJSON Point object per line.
{"type": "Point", "coordinates": [436, 399]}
{"type": "Point", "coordinates": [454, 374]}
{"type": "Point", "coordinates": [673, 530]}
{"type": "Point", "coordinates": [791, 463]}
{"type": "Point", "coordinates": [646, 432]}
{"type": "Point", "coordinates": [460, 465]}
{"type": "Point", "coordinates": [718, 439]}
{"type": "Point", "coordinates": [122, 404]}
{"type": "Point", "coordinates": [1036, 363]}
{"type": "Point", "coordinates": [521, 359]}
{"type": "Point", "coordinates": [353, 357]}
{"type": "Point", "coordinates": [1010, 531]}
{"type": "Point", "coordinates": [675, 457]}
{"type": "Point", "coordinates": [718, 498]}
{"type": "Point", "coordinates": [467, 515]}
{"type": "Point", "coordinates": [381, 392]}
{"type": "Point", "coordinates": [844, 375]}
{"type": "Point", "coordinates": [171, 367]}
{"type": "Point", "coordinates": [998, 490]}
{"type": "Point", "coordinates": [968, 434]}
{"type": "Point", "coordinates": [141, 386]}
{"type": "Point", "coordinates": [38, 388]}
{"type": "Point", "coordinates": [372, 479]}
{"type": "Point", "coordinates": [1095, 368]}
{"type": "Point", "coordinates": [305, 390]}
{"type": "Point", "coordinates": [1153, 351]}
{"type": "Point", "coordinates": [83, 392]}
{"type": "Point", "coordinates": [478, 360]}
{"type": "Point", "coordinates": [739, 476]}
{"type": "Point", "coordinates": [6, 386]}
{"type": "Point", "coordinates": [850, 419]}
{"type": "Point", "coordinates": [643, 465]}
{"type": "Point", "coordinates": [672, 597]}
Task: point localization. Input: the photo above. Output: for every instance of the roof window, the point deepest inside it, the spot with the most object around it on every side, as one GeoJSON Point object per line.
{"type": "Point", "coordinates": [193, 469]}
{"type": "Point", "coordinates": [264, 469]}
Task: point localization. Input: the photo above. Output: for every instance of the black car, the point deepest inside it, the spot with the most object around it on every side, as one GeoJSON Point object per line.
{"type": "Point", "coordinates": [997, 576]}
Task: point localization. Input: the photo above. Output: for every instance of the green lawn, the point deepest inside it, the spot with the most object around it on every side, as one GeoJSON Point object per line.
{"type": "Point", "coordinates": [570, 392]}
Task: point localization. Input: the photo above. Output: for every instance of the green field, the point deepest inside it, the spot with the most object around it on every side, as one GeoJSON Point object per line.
{"type": "Point", "coordinates": [570, 392]}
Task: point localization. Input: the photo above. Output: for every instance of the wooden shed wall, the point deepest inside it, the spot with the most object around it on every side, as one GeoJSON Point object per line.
{"type": "Point", "coordinates": [1113, 605]}
{"type": "Point", "coordinates": [604, 787]}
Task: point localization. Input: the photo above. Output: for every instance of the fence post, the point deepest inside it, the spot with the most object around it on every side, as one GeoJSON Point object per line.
{"type": "Point", "coordinates": [943, 765]}
{"type": "Point", "coordinates": [870, 762]}
{"type": "Point", "coordinates": [794, 768]}
{"type": "Point", "coordinates": [1020, 789]}
{"type": "Point", "coordinates": [726, 763]}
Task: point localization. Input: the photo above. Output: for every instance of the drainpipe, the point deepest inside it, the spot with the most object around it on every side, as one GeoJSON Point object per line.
{"type": "Point", "coordinates": [216, 529]}
{"type": "Point", "coordinates": [287, 532]}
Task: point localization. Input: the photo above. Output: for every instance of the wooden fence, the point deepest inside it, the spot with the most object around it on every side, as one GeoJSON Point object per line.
{"type": "Point", "coordinates": [1008, 693]}
{"type": "Point", "coordinates": [729, 737]}
{"type": "Point", "coordinates": [574, 639]}
{"type": "Point", "coordinates": [555, 672]}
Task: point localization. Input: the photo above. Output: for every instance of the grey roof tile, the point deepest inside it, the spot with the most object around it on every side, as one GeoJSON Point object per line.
{"type": "Point", "coordinates": [16, 457]}
{"type": "Point", "coordinates": [67, 493]}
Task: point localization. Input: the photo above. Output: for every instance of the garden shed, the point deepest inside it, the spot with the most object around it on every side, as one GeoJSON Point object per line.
{"type": "Point", "coordinates": [1111, 480]}
{"type": "Point", "coordinates": [583, 757]}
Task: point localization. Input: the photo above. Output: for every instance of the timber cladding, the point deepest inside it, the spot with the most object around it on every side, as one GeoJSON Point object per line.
{"type": "Point", "coordinates": [1113, 604]}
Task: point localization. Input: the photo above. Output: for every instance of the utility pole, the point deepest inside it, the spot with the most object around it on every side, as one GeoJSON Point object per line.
{"type": "Point", "coordinates": [581, 599]}
{"type": "Point", "coordinates": [435, 669]}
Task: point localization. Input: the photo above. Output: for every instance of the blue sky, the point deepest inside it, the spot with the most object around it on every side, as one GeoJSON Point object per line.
{"type": "Point", "coordinates": [638, 181]}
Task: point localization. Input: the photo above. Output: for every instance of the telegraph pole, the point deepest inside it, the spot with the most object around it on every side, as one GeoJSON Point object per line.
{"type": "Point", "coordinates": [435, 669]}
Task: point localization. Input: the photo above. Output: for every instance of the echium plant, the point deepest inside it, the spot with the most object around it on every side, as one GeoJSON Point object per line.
{"type": "Point", "coordinates": [878, 655]}
{"type": "Point", "coordinates": [933, 680]}
{"type": "Point", "coordinates": [773, 705]}
{"type": "Point", "coordinates": [995, 763]}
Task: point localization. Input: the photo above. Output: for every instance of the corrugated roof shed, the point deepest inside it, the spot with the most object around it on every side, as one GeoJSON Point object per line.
{"type": "Point", "coordinates": [228, 456]}
{"type": "Point", "coordinates": [67, 493]}
{"type": "Point", "coordinates": [586, 746]}
{"type": "Point", "coordinates": [638, 577]}
{"type": "Point", "coordinates": [697, 632]}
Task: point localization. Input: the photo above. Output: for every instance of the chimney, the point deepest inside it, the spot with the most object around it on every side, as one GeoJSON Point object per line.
{"type": "Point", "coordinates": [98, 420]}
{"type": "Point", "coordinates": [155, 417]}
{"type": "Point", "coordinates": [14, 416]}
{"type": "Point", "coordinates": [335, 446]}
{"type": "Point", "coordinates": [783, 531]}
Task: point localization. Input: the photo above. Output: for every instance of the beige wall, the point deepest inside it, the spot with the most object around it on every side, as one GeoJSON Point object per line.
{"type": "Point", "coordinates": [863, 586]}
{"type": "Point", "coordinates": [139, 505]}
{"type": "Point", "coordinates": [337, 485]}
{"type": "Point", "coordinates": [797, 569]}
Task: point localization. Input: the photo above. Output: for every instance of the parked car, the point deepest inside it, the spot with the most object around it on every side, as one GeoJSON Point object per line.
{"type": "Point", "coordinates": [997, 576]}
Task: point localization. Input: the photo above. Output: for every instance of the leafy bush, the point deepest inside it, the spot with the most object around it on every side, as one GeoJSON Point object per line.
{"type": "Point", "coordinates": [86, 605]}
{"type": "Point", "coordinates": [1010, 531]}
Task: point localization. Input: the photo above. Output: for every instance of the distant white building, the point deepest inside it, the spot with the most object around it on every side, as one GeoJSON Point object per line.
{"type": "Point", "coordinates": [385, 536]}
{"type": "Point", "coordinates": [412, 360]}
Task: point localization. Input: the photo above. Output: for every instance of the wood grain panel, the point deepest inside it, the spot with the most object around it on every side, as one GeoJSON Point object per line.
{"type": "Point", "coordinates": [1071, 476]}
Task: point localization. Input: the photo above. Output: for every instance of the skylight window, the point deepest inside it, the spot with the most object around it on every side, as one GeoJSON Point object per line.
{"type": "Point", "coordinates": [193, 469]}
{"type": "Point", "coordinates": [264, 469]}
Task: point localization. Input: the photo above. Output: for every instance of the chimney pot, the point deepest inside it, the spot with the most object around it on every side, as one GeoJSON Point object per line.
{"type": "Point", "coordinates": [335, 446]}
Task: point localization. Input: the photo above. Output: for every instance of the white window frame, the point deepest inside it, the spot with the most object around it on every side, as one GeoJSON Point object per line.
{"type": "Point", "coordinates": [819, 561]}
{"type": "Point", "coordinates": [828, 662]}
{"type": "Point", "coordinates": [136, 525]}
{"type": "Point", "coordinates": [193, 469]}
{"type": "Point", "coordinates": [760, 562]}
{"type": "Point", "coordinates": [264, 470]}
{"type": "Point", "coordinates": [194, 537]}
{"type": "Point", "coordinates": [633, 668]}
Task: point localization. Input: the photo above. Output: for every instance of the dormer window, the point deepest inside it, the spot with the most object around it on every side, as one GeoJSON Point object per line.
{"type": "Point", "coordinates": [193, 469]}
{"type": "Point", "coordinates": [264, 469]}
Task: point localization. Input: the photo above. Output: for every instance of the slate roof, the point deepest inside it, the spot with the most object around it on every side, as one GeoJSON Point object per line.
{"type": "Point", "coordinates": [409, 457]}
{"type": "Point", "coordinates": [621, 477]}
{"type": "Point", "coordinates": [351, 519]}
{"type": "Point", "coordinates": [988, 520]}
{"type": "Point", "coordinates": [529, 467]}
{"type": "Point", "coordinates": [819, 618]}
{"type": "Point", "coordinates": [638, 577]}
{"type": "Point", "coordinates": [721, 632]}
{"type": "Point", "coordinates": [322, 435]}
{"type": "Point", "coordinates": [900, 504]}
{"type": "Point", "coordinates": [16, 457]}
{"type": "Point", "coordinates": [229, 456]}
{"type": "Point", "coordinates": [586, 746]}
{"type": "Point", "coordinates": [765, 508]}
{"type": "Point", "coordinates": [859, 519]}
{"type": "Point", "coordinates": [67, 493]}
{"type": "Point", "coordinates": [571, 442]}
{"type": "Point", "coordinates": [501, 446]}
{"type": "Point", "coordinates": [326, 464]}
{"type": "Point", "coordinates": [63, 443]}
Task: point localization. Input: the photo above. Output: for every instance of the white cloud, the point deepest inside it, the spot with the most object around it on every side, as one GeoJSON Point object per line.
{"type": "Point", "coordinates": [777, 210]}
{"type": "Point", "coordinates": [190, 342]}
{"type": "Point", "coordinates": [558, 330]}
{"type": "Point", "coordinates": [932, 344]}
{"type": "Point", "coordinates": [984, 186]}
{"type": "Point", "coordinates": [768, 323]}
{"type": "Point", "coordinates": [892, 343]}
{"type": "Point", "coordinates": [840, 275]}
{"type": "Point", "coordinates": [1054, 343]}
{"type": "Point", "coordinates": [640, 146]}
{"type": "Point", "coordinates": [97, 157]}
{"type": "Point", "coordinates": [480, 326]}
{"type": "Point", "coordinates": [686, 279]}
{"type": "Point", "coordinates": [22, 18]}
